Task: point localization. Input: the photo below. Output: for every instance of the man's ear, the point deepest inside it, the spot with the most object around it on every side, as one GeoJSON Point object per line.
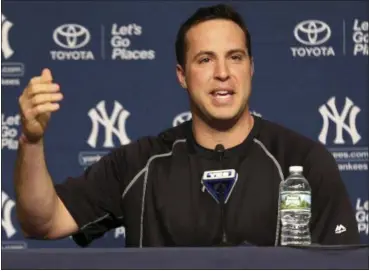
{"type": "Point", "coordinates": [181, 76]}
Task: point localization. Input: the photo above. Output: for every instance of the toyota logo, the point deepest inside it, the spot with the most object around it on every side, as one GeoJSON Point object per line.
{"type": "Point", "coordinates": [312, 32]}
{"type": "Point", "coordinates": [71, 36]}
{"type": "Point", "coordinates": [181, 118]}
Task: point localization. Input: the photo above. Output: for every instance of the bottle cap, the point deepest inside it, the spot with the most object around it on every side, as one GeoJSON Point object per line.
{"type": "Point", "coordinates": [296, 169]}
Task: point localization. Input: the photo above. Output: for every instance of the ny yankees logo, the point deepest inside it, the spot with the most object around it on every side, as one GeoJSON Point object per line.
{"type": "Point", "coordinates": [115, 124]}
{"type": "Point", "coordinates": [349, 111]}
{"type": "Point", "coordinates": [5, 46]}
{"type": "Point", "coordinates": [7, 205]}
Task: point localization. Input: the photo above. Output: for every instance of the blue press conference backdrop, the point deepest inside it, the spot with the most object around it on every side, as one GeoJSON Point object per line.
{"type": "Point", "coordinates": [115, 64]}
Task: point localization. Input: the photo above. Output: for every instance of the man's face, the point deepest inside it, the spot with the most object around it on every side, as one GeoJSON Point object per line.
{"type": "Point", "coordinates": [218, 70]}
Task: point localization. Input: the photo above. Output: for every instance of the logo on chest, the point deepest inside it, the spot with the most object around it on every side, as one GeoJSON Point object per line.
{"type": "Point", "coordinates": [219, 183]}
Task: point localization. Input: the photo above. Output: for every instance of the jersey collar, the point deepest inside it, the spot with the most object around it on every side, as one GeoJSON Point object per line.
{"type": "Point", "coordinates": [238, 150]}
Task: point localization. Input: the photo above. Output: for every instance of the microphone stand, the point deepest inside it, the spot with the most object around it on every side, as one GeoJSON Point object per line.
{"type": "Point", "coordinates": [221, 201]}
{"type": "Point", "coordinates": [221, 190]}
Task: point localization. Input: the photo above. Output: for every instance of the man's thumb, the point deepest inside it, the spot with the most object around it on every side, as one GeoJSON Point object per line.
{"type": "Point", "coordinates": [46, 75]}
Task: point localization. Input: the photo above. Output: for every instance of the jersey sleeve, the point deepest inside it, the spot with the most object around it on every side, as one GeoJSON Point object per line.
{"type": "Point", "coordinates": [93, 199]}
{"type": "Point", "coordinates": [333, 218]}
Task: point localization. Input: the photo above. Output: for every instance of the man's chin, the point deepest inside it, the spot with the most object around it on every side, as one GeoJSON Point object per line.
{"type": "Point", "coordinates": [223, 117]}
{"type": "Point", "coordinates": [219, 116]}
{"type": "Point", "coordinates": [222, 123]}
{"type": "Point", "coordinates": [226, 115]}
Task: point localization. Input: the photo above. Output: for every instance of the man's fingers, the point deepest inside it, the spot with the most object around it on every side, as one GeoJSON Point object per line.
{"type": "Point", "coordinates": [36, 80]}
{"type": "Point", "coordinates": [46, 98]}
{"type": "Point", "coordinates": [46, 75]}
{"type": "Point", "coordinates": [42, 88]}
{"type": "Point", "coordinates": [45, 108]}
{"type": "Point", "coordinates": [30, 112]}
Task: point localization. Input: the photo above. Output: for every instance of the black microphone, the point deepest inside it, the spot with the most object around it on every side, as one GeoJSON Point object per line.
{"type": "Point", "coordinates": [219, 148]}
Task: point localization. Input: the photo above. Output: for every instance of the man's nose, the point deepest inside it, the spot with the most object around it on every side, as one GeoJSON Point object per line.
{"type": "Point", "coordinates": [221, 71]}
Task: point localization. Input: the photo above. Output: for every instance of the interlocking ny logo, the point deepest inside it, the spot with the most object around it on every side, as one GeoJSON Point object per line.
{"type": "Point", "coordinates": [7, 205]}
{"type": "Point", "coordinates": [5, 46]}
{"type": "Point", "coordinates": [349, 110]}
{"type": "Point", "coordinates": [115, 124]}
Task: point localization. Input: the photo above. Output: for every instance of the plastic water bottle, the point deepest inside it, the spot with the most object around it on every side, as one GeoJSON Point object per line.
{"type": "Point", "coordinates": [295, 209]}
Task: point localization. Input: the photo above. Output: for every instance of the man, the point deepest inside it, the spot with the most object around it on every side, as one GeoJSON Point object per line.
{"type": "Point", "coordinates": [153, 186]}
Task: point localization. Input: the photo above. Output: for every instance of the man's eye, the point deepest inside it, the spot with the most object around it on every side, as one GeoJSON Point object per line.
{"type": "Point", "coordinates": [237, 57]}
{"type": "Point", "coordinates": [204, 60]}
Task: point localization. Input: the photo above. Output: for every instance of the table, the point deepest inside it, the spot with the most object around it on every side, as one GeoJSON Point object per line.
{"type": "Point", "coordinates": [188, 258]}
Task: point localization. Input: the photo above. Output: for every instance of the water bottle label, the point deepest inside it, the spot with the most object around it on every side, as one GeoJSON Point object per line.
{"type": "Point", "coordinates": [295, 200]}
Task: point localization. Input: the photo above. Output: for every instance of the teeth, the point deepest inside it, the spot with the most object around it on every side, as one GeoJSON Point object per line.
{"type": "Point", "coordinates": [221, 92]}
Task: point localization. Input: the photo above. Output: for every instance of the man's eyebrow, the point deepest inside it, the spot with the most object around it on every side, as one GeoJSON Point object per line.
{"type": "Point", "coordinates": [239, 50]}
{"type": "Point", "coordinates": [230, 52]}
{"type": "Point", "coordinates": [204, 53]}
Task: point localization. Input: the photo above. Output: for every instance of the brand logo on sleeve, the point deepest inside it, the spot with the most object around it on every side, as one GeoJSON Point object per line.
{"type": "Point", "coordinates": [340, 229]}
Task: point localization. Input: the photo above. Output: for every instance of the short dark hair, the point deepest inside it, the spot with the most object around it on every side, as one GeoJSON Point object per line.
{"type": "Point", "coordinates": [220, 11]}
